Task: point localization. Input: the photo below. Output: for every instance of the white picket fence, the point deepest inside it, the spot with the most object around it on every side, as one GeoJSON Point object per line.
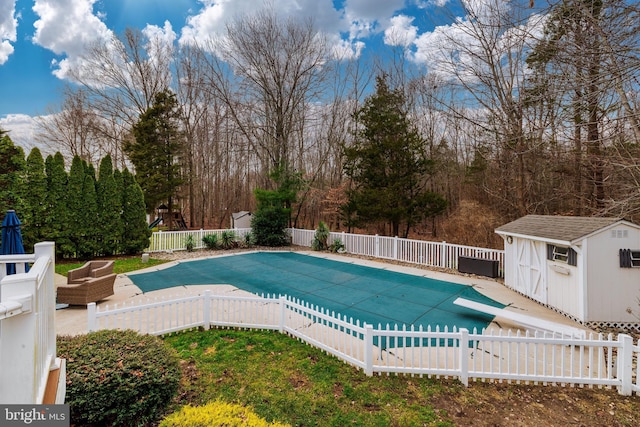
{"type": "Point", "coordinates": [599, 360]}
{"type": "Point", "coordinates": [27, 329]}
{"type": "Point", "coordinates": [163, 241]}
{"type": "Point", "coordinates": [422, 252]}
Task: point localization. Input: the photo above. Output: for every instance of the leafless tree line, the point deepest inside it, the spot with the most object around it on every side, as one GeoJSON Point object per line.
{"type": "Point", "coordinates": [526, 111]}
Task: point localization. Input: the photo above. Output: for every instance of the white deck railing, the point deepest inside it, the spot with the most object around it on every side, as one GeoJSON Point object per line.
{"type": "Point", "coordinates": [422, 252]}
{"type": "Point", "coordinates": [27, 329]}
{"type": "Point", "coordinates": [543, 357]}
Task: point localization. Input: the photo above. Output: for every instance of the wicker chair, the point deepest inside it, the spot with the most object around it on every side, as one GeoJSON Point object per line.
{"type": "Point", "coordinates": [90, 283]}
{"type": "Point", "coordinates": [90, 270]}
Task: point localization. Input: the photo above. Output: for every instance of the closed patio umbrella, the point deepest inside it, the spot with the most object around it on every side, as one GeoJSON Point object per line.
{"type": "Point", "coordinates": [11, 238]}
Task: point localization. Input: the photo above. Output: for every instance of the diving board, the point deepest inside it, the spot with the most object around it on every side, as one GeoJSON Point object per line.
{"type": "Point", "coordinates": [522, 319]}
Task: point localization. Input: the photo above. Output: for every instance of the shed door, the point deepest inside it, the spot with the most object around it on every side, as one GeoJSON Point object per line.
{"type": "Point", "coordinates": [531, 259]}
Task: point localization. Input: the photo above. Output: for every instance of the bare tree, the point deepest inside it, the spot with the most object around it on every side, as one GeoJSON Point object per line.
{"type": "Point", "coordinates": [267, 70]}
{"type": "Point", "coordinates": [584, 69]}
{"type": "Point", "coordinates": [482, 59]}
{"type": "Point", "coordinates": [72, 129]}
{"type": "Point", "coordinates": [122, 77]}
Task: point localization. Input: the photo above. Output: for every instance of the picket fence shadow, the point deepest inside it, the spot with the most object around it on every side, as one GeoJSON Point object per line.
{"type": "Point", "coordinates": [599, 360]}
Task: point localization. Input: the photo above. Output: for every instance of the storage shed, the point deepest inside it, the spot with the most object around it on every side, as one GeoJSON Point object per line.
{"type": "Point", "coordinates": [586, 268]}
{"type": "Point", "coordinates": [241, 219]}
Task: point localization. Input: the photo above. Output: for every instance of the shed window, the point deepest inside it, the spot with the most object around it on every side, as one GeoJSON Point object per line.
{"type": "Point", "coordinates": [562, 254]}
{"type": "Point", "coordinates": [629, 258]}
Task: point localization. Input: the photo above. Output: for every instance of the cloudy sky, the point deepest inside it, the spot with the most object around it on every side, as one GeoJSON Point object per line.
{"type": "Point", "coordinates": [40, 40]}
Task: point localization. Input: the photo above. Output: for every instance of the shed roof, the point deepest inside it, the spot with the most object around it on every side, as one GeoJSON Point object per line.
{"type": "Point", "coordinates": [238, 215]}
{"type": "Point", "coordinates": [564, 228]}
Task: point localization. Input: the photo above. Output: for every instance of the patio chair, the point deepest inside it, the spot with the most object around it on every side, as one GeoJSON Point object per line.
{"type": "Point", "coordinates": [90, 270]}
{"type": "Point", "coordinates": [90, 283]}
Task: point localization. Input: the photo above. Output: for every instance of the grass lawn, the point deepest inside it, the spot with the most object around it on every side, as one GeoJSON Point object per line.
{"type": "Point", "coordinates": [285, 380]}
{"type": "Point", "coordinates": [121, 265]}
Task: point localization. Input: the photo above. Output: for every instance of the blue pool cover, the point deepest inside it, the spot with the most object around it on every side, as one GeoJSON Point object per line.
{"type": "Point", "coordinates": [368, 294]}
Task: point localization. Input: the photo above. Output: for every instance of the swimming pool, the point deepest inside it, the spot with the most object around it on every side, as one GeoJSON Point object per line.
{"type": "Point", "coordinates": [371, 295]}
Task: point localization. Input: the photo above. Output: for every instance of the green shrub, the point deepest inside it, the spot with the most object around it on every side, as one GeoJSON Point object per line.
{"type": "Point", "coordinates": [269, 226]}
{"type": "Point", "coordinates": [228, 239]}
{"type": "Point", "coordinates": [216, 414]}
{"type": "Point", "coordinates": [211, 241]}
{"type": "Point", "coordinates": [118, 377]}
{"type": "Point", "coordinates": [189, 243]}
{"type": "Point", "coordinates": [320, 237]}
{"type": "Point", "coordinates": [337, 247]}
{"type": "Point", "coordinates": [249, 240]}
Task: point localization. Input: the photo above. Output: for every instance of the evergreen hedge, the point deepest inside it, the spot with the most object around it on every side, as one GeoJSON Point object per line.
{"type": "Point", "coordinates": [86, 216]}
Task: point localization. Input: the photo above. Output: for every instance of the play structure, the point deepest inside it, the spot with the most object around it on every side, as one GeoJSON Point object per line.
{"type": "Point", "coordinates": [175, 221]}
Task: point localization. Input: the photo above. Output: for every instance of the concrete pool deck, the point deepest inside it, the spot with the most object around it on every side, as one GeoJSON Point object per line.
{"type": "Point", "coordinates": [73, 320]}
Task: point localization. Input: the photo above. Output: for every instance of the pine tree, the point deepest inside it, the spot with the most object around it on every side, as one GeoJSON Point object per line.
{"type": "Point", "coordinates": [273, 214]}
{"type": "Point", "coordinates": [91, 229]}
{"type": "Point", "coordinates": [75, 201]}
{"type": "Point", "coordinates": [157, 151]}
{"type": "Point", "coordinates": [388, 166]}
{"type": "Point", "coordinates": [56, 221]}
{"type": "Point", "coordinates": [136, 231]}
{"type": "Point", "coordinates": [12, 165]}
{"type": "Point", "coordinates": [119, 187]}
{"type": "Point", "coordinates": [34, 194]}
{"type": "Point", "coordinates": [109, 208]}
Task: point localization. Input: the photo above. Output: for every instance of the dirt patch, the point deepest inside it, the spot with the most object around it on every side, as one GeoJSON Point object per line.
{"type": "Point", "coordinates": [503, 404]}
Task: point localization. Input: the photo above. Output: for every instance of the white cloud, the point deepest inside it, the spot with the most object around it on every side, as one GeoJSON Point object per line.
{"type": "Point", "coordinates": [429, 3]}
{"type": "Point", "coordinates": [372, 10]}
{"type": "Point", "coordinates": [367, 17]}
{"type": "Point", "coordinates": [345, 29]}
{"type": "Point", "coordinates": [439, 51]}
{"type": "Point", "coordinates": [211, 20]}
{"type": "Point", "coordinates": [21, 129]}
{"type": "Point", "coordinates": [207, 23]}
{"type": "Point", "coordinates": [159, 38]}
{"type": "Point", "coordinates": [454, 52]}
{"type": "Point", "coordinates": [8, 28]}
{"type": "Point", "coordinates": [401, 32]}
{"type": "Point", "coordinates": [68, 27]}
{"type": "Point", "coordinates": [346, 50]}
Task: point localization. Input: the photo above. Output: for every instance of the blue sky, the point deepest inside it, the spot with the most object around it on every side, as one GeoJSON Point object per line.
{"type": "Point", "coordinates": [41, 39]}
{"type": "Point", "coordinates": [28, 83]}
